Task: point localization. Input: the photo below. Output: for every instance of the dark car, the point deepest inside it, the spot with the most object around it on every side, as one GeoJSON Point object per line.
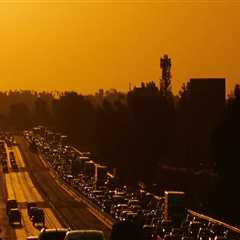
{"type": "Point", "coordinates": [14, 216]}
{"type": "Point", "coordinates": [149, 232]}
{"type": "Point", "coordinates": [37, 216]}
{"type": "Point", "coordinates": [125, 230]}
{"type": "Point", "coordinates": [106, 205]}
{"type": "Point", "coordinates": [14, 166]}
{"type": "Point", "coordinates": [11, 203]}
{"type": "Point", "coordinates": [52, 234]}
{"type": "Point", "coordinates": [29, 205]}
{"type": "Point", "coordinates": [11, 155]}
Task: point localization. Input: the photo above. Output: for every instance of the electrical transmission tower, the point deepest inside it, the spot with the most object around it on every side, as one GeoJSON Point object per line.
{"type": "Point", "coordinates": [165, 82]}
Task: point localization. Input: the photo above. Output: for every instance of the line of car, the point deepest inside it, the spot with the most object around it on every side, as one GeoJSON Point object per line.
{"type": "Point", "coordinates": [13, 161]}
{"type": "Point", "coordinates": [68, 234]}
{"type": "Point", "coordinates": [36, 214]}
{"type": "Point", "coordinates": [3, 155]}
{"type": "Point", "coordinates": [9, 140]}
{"type": "Point", "coordinates": [124, 205]}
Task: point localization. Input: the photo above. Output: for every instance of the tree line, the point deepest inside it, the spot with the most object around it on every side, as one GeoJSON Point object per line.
{"type": "Point", "coordinates": [140, 133]}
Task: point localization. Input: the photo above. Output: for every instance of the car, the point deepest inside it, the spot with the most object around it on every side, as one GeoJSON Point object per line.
{"type": "Point", "coordinates": [216, 229]}
{"type": "Point", "coordinates": [29, 205]}
{"type": "Point", "coordinates": [130, 216]}
{"type": "Point", "coordinates": [11, 203]}
{"type": "Point", "coordinates": [125, 215]}
{"type": "Point", "coordinates": [194, 227]}
{"type": "Point", "coordinates": [165, 228]}
{"type": "Point", "coordinates": [106, 205]}
{"type": "Point", "coordinates": [52, 234]}
{"type": "Point", "coordinates": [11, 155]}
{"type": "Point", "coordinates": [37, 215]}
{"type": "Point", "coordinates": [149, 232]}
{"type": "Point", "coordinates": [125, 230]}
{"type": "Point", "coordinates": [84, 235]}
{"type": "Point", "coordinates": [117, 209]}
{"type": "Point", "coordinates": [14, 216]}
{"type": "Point", "coordinates": [204, 233]}
{"type": "Point", "coordinates": [14, 166]}
{"type": "Point", "coordinates": [133, 202]}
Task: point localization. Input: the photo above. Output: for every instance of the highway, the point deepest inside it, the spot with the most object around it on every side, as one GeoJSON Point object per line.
{"type": "Point", "coordinates": [69, 211]}
{"type": "Point", "coordinates": [18, 185]}
{"type": "Point", "coordinates": [35, 182]}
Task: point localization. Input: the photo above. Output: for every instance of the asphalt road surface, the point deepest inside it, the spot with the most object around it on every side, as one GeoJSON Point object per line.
{"type": "Point", "coordinates": [18, 185]}
{"type": "Point", "coordinates": [69, 212]}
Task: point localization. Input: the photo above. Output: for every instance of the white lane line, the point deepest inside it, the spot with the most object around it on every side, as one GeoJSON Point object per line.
{"type": "Point", "coordinates": [18, 156]}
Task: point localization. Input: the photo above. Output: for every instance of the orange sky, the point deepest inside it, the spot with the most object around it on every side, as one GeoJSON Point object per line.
{"type": "Point", "coordinates": [85, 45]}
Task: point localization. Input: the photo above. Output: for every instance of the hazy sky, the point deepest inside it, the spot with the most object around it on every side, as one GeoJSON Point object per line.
{"type": "Point", "coordinates": [87, 45]}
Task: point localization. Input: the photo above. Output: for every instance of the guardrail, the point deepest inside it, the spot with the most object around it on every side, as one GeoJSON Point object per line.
{"type": "Point", "coordinates": [209, 219]}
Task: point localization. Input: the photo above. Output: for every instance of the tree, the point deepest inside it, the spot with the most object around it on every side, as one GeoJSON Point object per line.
{"type": "Point", "coordinates": [225, 152]}
{"type": "Point", "coordinates": [20, 116]}
{"type": "Point", "coordinates": [41, 112]}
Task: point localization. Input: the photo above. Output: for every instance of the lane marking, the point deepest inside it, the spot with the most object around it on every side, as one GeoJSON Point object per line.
{"type": "Point", "coordinates": [18, 157]}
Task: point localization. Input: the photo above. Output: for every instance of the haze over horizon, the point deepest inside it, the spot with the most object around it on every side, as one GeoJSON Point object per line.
{"type": "Point", "coordinates": [89, 45]}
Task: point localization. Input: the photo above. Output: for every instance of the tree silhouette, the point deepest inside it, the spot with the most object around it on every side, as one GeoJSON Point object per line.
{"type": "Point", "coordinates": [225, 152]}
{"type": "Point", "coordinates": [41, 112]}
{"type": "Point", "coordinates": [19, 116]}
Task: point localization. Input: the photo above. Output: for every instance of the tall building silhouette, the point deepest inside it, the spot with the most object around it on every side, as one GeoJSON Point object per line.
{"type": "Point", "coordinates": [205, 109]}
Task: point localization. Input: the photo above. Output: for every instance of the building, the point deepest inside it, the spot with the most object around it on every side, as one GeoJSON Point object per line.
{"type": "Point", "coordinates": [204, 112]}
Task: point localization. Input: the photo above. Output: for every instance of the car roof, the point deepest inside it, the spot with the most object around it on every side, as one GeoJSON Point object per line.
{"type": "Point", "coordinates": [14, 210]}
{"type": "Point", "coordinates": [92, 234]}
{"type": "Point", "coordinates": [54, 230]}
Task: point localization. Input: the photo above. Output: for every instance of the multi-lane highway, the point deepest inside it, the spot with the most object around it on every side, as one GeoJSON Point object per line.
{"type": "Point", "coordinates": [18, 185]}
{"type": "Point", "coordinates": [33, 183]}
{"type": "Point", "coordinates": [69, 210]}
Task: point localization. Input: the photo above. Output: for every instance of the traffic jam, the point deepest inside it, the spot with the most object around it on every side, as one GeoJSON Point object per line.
{"type": "Point", "coordinates": [24, 211]}
{"type": "Point", "coordinates": [164, 217]}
